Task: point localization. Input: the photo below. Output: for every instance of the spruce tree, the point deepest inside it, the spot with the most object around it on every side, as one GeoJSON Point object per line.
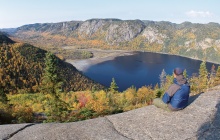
{"type": "Point", "coordinates": [185, 74]}
{"type": "Point", "coordinates": [162, 78]}
{"type": "Point", "coordinates": [113, 87]}
{"type": "Point", "coordinates": [203, 77]}
{"type": "Point", "coordinates": [217, 77]}
{"type": "Point", "coordinates": [212, 76]}
{"type": "Point", "coordinates": [51, 82]}
{"type": "Point", "coordinates": [3, 96]}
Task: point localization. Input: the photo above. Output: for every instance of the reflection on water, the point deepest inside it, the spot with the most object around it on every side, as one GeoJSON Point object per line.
{"type": "Point", "coordinates": [142, 68]}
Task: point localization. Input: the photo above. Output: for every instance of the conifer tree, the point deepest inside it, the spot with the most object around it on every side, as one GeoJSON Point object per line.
{"type": "Point", "coordinates": [212, 76]}
{"type": "Point", "coordinates": [217, 77]}
{"type": "Point", "coordinates": [51, 82]}
{"type": "Point", "coordinates": [203, 77]}
{"type": "Point", "coordinates": [3, 97]}
{"type": "Point", "coordinates": [113, 87]}
{"type": "Point", "coordinates": [157, 91]}
{"type": "Point", "coordinates": [185, 74]}
{"type": "Point", "coordinates": [162, 78]}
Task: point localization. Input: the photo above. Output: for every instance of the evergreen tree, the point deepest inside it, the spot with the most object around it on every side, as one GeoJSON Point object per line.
{"type": "Point", "coordinates": [185, 74]}
{"type": "Point", "coordinates": [3, 96]}
{"type": "Point", "coordinates": [57, 111]}
{"type": "Point", "coordinates": [51, 82]}
{"type": "Point", "coordinates": [217, 77]}
{"type": "Point", "coordinates": [212, 76]}
{"type": "Point", "coordinates": [157, 91]}
{"type": "Point", "coordinates": [162, 78]}
{"type": "Point", "coordinates": [113, 87]}
{"type": "Point", "coordinates": [203, 77]}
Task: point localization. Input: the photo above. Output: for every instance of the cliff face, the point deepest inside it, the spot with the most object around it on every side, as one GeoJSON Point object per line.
{"type": "Point", "coordinates": [199, 120]}
{"type": "Point", "coordinates": [187, 39]}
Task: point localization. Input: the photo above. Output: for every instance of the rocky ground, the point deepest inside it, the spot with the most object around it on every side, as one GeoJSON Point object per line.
{"type": "Point", "coordinates": [199, 121]}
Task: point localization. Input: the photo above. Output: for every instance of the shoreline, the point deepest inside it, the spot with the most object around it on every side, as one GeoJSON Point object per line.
{"type": "Point", "coordinates": [105, 55]}
{"type": "Point", "coordinates": [177, 55]}
{"type": "Point", "coordinates": [180, 56]}
{"type": "Point", "coordinates": [99, 57]}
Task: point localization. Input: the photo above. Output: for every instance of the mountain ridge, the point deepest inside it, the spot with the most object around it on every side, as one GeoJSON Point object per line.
{"type": "Point", "coordinates": [195, 40]}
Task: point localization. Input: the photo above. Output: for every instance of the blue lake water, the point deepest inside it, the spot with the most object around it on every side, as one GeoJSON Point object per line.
{"type": "Point", "coordinates": [142, 68]}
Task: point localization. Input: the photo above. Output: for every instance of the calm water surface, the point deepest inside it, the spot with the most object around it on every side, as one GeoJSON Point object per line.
{"type": "Point", "coordinates": [142, 68]}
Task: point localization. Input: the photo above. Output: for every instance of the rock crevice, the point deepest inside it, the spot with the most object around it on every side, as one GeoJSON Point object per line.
{"type": "Point", "coordinates": [10, 135]}
{"type": "Point", "coordinates": [117, 130]}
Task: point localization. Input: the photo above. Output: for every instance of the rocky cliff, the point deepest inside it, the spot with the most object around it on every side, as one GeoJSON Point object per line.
{"type": "Point", "coordinates": [200, 120]}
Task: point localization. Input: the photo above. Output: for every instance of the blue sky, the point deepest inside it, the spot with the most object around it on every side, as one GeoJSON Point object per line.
{"type": "Point", "coordinates": [15, 13]}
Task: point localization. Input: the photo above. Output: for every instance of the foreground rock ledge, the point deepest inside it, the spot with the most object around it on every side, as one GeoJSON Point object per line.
{"type": "Point", "coordinates": [200, 120]}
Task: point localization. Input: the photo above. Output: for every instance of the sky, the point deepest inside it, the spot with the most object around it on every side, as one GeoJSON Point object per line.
{"type": "Point", "coordinates": [15, 13]}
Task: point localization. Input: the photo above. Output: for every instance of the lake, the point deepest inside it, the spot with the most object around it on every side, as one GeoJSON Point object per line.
{"type": "Point", "coordinates": [142, 68]}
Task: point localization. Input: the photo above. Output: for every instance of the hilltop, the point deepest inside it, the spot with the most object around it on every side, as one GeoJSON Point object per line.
{"type": "Point", "coordinates": [22, 66]}
{"type": "Point", "coordinates": [199, 41]}
{"type": "Point", "coordinates": [200, 120]}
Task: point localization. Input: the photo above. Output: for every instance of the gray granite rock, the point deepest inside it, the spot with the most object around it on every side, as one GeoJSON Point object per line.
{"type": "Point", "coordinates": [199, 121]}
{"type": "Point", "coordinates": [96, 129]}
{"type": "Point", "coordinates": [6, 131]}
{"type": "Point", "coordinates": [154, 123]}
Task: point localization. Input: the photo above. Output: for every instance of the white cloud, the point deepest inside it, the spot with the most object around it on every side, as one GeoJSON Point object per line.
{"type": "Point", "coordinates": [199, 14]}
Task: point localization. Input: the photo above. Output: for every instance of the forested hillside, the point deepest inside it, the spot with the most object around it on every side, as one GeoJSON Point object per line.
{"type": "Point", "coordinates": [4, 39]}
{"type": "Point", "coordinates": [22, 67]}
{"type": "Point", "coordinates": [200, 41]}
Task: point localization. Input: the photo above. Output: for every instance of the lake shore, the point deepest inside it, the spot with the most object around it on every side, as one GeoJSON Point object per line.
{"type": "Point", "coordinates": [99, 56]}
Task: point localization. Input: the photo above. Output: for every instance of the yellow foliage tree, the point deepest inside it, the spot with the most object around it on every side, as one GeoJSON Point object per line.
{"type": "Point", "coordinates": [145, 95]}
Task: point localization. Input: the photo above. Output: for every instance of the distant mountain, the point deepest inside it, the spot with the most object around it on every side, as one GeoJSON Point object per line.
{"type": "Point", "coordinates": [8, 30]}
{"type": "Point", "coordinates": [200, 41]}
{"type": "Point", "coordinates": [22, 67]}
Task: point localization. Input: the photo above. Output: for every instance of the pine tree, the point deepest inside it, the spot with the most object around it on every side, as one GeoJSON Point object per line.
{"type": "Point", "coordinates": [217, 77]}
{"type": "Point", "coordinates": [185, 74]}
{"type": "Point", "coordinates": [51, 82]}
{"type": "Point", "coordinates": [212, 76]}
{"type": "Point", "coordinates": [203, 77]}
{"type": "Point", "coordinates": [162, 78]}
{"type": "Point", "coordinates": [113, 87]}
{"type": "Point", "coordinates": [3, 96]}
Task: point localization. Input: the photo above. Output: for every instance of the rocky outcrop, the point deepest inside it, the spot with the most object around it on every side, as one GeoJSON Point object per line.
{"type": "Point", "coordinates": [124, 31]}
{"type": "Point", "coordinates": [200, 120]}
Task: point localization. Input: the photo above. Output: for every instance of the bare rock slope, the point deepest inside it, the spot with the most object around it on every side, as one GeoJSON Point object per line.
{"type": "Point", "coordinates": [200, 120]}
